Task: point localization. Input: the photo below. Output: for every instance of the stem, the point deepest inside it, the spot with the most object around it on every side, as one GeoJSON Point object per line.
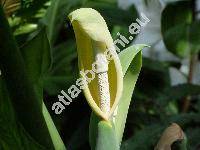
{"type": "Point", "coordinates": [106, 138]}
{"type": "Point", "coordinates": [193, 58]}
{"type": "Point", "coordinates": [186, 101]}
{"type": "Point", "coordinates": [28, 108]}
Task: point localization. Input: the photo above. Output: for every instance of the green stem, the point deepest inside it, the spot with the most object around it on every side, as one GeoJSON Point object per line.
{"type": "Point", "coordinates": [27, 106]}
{"type": "Point", "coordinates": [106, 139]}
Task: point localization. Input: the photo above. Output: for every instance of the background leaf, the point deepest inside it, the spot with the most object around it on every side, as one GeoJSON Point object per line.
{"type": "Point", "coordinates": [182, 28]}
{"type": "Point", "coordinates": [178, 27]}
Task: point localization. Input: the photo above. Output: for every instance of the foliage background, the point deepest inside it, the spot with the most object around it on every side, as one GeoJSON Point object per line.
{"type": "Point", "coordinates": [168, 87]}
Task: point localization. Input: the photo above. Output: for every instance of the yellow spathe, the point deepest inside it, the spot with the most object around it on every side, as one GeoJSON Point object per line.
{"type": "Point", "coordinates": [93, 37]}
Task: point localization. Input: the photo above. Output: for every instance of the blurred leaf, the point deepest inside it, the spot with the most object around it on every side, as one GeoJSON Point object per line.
{"type": "Point", "coordinates": [144, 139]}
{"type": "Point", "coordinates": [30, 7]}
{"type": "Point", "coordinates": [153, 76]}
{"type": "Point", "coordinates": [185, 119]}
{"type": "Point", "coordinates": [172, 1]}
{"type": "Point", "coordinates": [36, 54]}
{"type": "Point", "coordinates": [13, 136]}
{"type": "Point", "coordinates": [193, 137]}
{"type": "Point", "coordinates": [56, 14]}
{"type": "Point", "coordinates": [24, 29]}
{"type": "Point", "coordinates": [64, 56]}
{"type": "Point", "coordinates": [54, 84]}
{"type": "Point", "coordinates": [180, 25]}
{"type": "Point", "coordinates": [114, 15]}
{"type": "Point", "coordinates": [37, 57]}
{"type": "Point", "coordinates": [60, 76]}
{"type": "Point", "coordinates": [183, 90]}
{"type": "Point", "coordinates": [175, 23]}
{"type": "Point", "coordinates": [180, 91]}
{"type": "Point", "coordinates": [27, 106]}
{"type": "Point", "coordinates": [195, 37]}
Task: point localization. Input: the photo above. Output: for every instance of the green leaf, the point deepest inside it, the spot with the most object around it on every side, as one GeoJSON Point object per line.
{"type": "Point", "coordinates": [131, 61]}
{"type": "Point", "coordinates": [195, 37]}
{"type": "Point", "coordinates": [60, 76]}
{"type": "Point", "coordinates": [193, 137]}
{"type": "Point", "coordinates": [175, 27]}
{"type": "Point", "coordinates": [56, 14]}
{"type": "Point", "coordinates": [37, 57]}
{"type": "Point", "coordinates": [185, 118]}
{"type": "Point", "coordinates": [100, 137]}
{"type": "Point", "coordinates": [106, 138]}
{"type": "Point", "coordinates": [114, 15]}
{"type": "Point", "coordinates": [180, 91]}
{"type": "Point", "coordinates": [143, 139]}
{"type": "Point", "coordinates": [54, 84]}
{"type": "Point", "coordinates": [56, 139]}
{"type": "Point", "coordinates": [12, 136]}
{"type": "Point", "coordinates": [24, 29]}
{"type": "Point", "coordinates": [25, 103]}
{"type": "Point", "coordinates": [180, 31]}
{"type": "Point", "coordinates": [30, 7]}
{"type": "Point", "coordinates": [93, 130]}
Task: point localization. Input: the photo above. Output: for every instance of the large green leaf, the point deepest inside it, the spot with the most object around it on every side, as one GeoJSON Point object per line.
{"type": "Point", "coordinates": [26, 98]}
{"type": "Point", "coordinates": [37, 57]}
{"type": "Point", "coordinates": [26, 105]}
{"type": "Point", "coordinates": [12, 136]}
{"type": "Point", "coordinates": [131, 61]}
